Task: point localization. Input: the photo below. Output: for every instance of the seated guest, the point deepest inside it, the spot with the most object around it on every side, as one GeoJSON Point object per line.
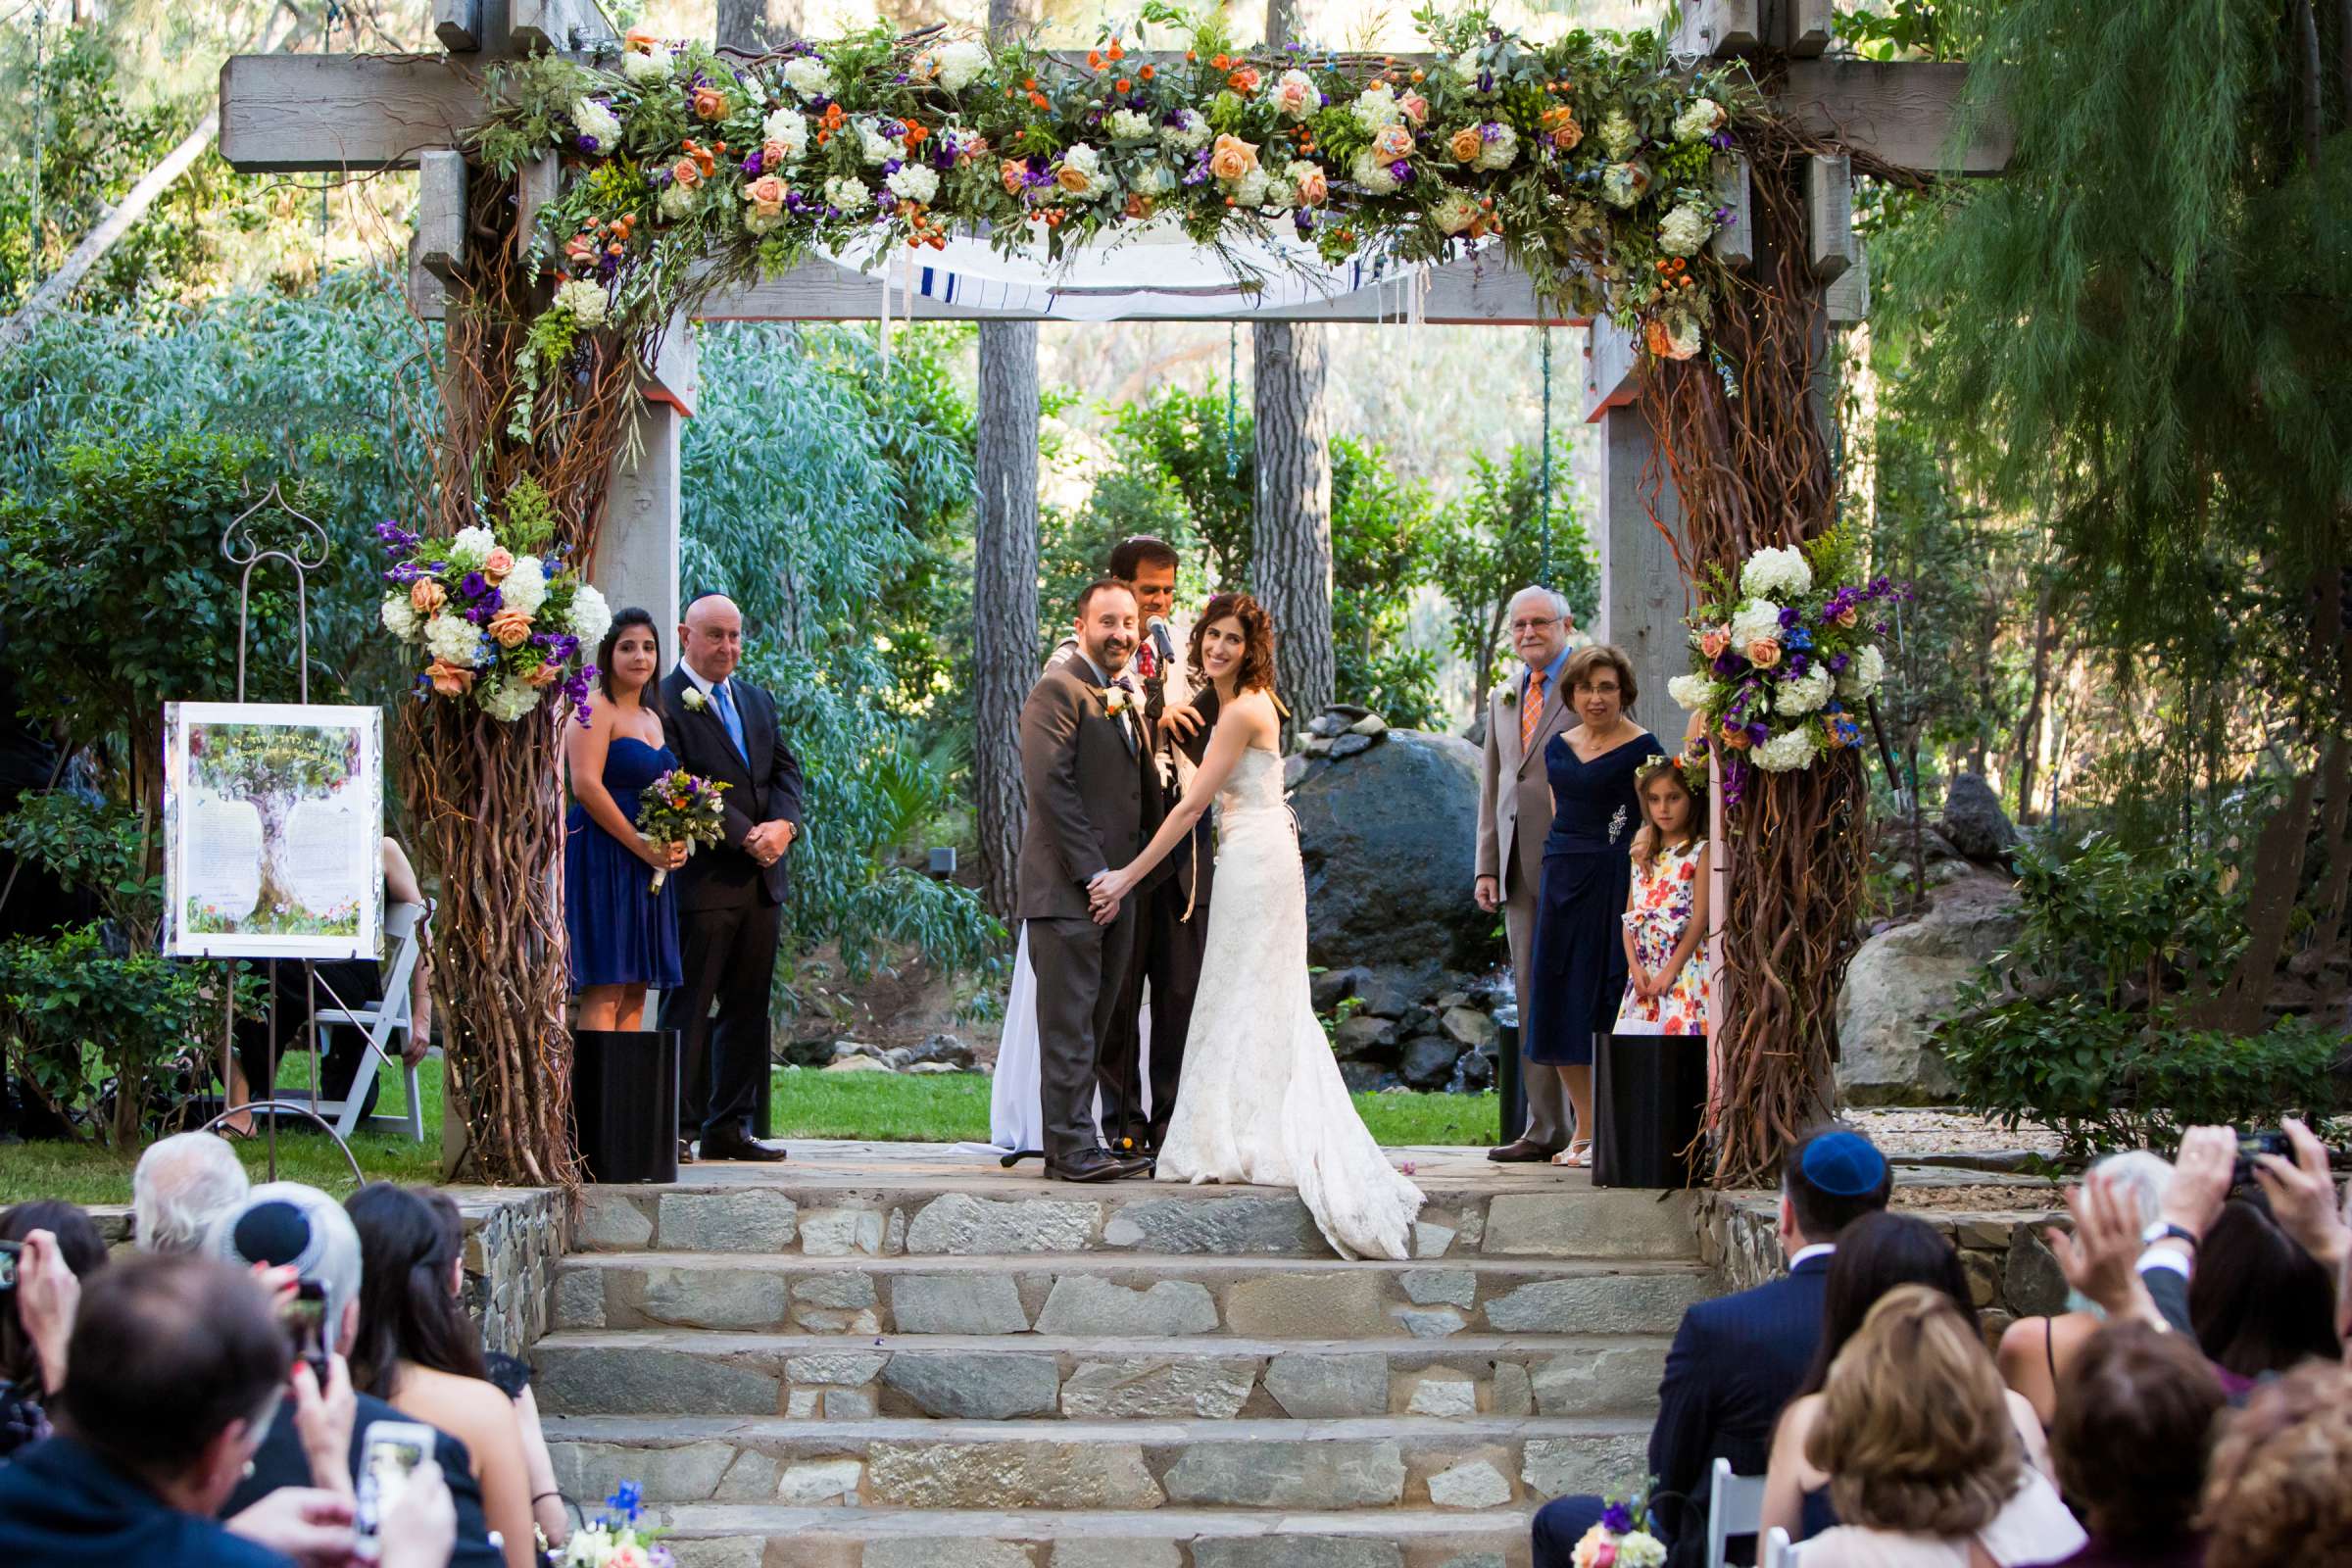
{"type": "Point", "coordinates": [1921, 1447]}
{"type": "Point", "coordinates": [2279, 1492]}
{"type": "Point", "coordinates": [290, 1225]}
{"type": "Point", "coordinates": [61, 1249]}
{"type": "Point", "coordinates": [2136, 1422]}
{"type": "Point", "coordinates": [417, 1350]}
{"type": "Point", "coordinates": [2035, 1350]}
{"type": "Point", "coordinates": [1736, 1361]}
{"type": "Point", "coordinates": [181, 1185]}
{"type": "Point", "coordinates": [1875, 1254]}
{"type": "Point", "coordinates": [2258, 1302]}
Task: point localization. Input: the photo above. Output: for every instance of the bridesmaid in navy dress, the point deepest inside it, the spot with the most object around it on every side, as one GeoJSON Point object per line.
{"type": "Point", "coordinates": [624, 938]}
{"type": "Point", "coordinates": [1588, 871]}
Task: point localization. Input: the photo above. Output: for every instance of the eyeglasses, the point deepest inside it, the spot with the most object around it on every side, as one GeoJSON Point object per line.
{"type": "Point", "coordinates": [1518, 626]}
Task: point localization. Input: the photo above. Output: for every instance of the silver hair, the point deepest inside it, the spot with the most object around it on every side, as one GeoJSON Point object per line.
{"type": "Point", "coordinates": [1554, 600]}
{"type": "Point", "coordinates": [181, 1184]}
{"type": "Point", "coordinates": [2142, 1176]}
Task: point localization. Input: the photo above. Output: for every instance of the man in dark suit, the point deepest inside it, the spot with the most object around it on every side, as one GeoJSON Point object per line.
{"type": "Point", "coordinates": [731, 894]}
{"type": "Point", "coordinates": [1095, 801]}
{"type": "Point", "coordinates": [1736, 1360]}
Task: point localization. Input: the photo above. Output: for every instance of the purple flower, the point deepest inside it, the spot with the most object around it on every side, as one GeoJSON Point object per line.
{"type": "Point", "coordinates": [1839, 662]}
{"type": "Point", "coordinates": [584, 142]}
{"type": "Point", "coordinates": [1489, 131]}
{"type": "Point", "coordinates": [474, 585]}
{"type": "Point", "coordinates": [1402, 172]}
{"type": "Point", "coordinates": [1200, 170]}
{"type": "Point", "coordinates": [1728, 664]}
{"type": "Point", "coordinates": [1789, 617]}
{"type": "Point", "coordinates": [757, 162]}
{"type": "Point", "coordinates": [1303, 220]}
{"type": "Point", "coordinates": [1617, 1519]}
{"type": "Point", "coordinates": [1758, 732]}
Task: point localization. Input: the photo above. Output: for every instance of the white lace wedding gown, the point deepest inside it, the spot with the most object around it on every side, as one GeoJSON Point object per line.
{"type": "Point", "coordinates": [1262, 1100]}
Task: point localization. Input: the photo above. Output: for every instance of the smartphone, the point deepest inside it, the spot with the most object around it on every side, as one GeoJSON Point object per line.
{"type": "Point", "coordinates": [305, 1321]}
{"type": "Point", "coordinates": [9, 1252]}
{"type": "Point", "coordinates": [391, 1453]}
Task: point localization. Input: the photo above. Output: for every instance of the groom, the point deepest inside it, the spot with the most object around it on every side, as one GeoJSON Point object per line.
{"type": "Point", "coordinates": [731, 894]}
{"type": "Point", "coordinates": [1093, 802]}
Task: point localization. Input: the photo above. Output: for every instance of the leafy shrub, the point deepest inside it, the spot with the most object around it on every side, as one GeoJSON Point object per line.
{"type": "Point", "coordinates": [2090, 1022]}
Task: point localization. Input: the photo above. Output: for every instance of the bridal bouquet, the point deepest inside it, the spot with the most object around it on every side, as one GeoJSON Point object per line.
{"type": "Point", "coordinates": [615, 1539]}
{"type": "Point", "coordinates": [679, 808]}
{"type": "Point", "coordinates": [1785, 658]}
{"type": "Point", "coordinates": [1625, 1538]}
{"type": "Point", "coordinates": [492, 622]}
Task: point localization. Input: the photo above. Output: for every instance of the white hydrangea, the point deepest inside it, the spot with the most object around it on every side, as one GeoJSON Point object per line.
{"type": "Point", "coordinates": [961, 63]}
{"type": "Point", "coordinates": [1624, 184]}
{"type": "Point", "coordinates": [1252, 188]}
{"type": "Point", "coordinates": [1639, 1548]}
{"type": "Point", "coordinates": [678, 200]}
{"type": "Point", "coordinates": [1188, 132]}
{"type": "Point", "coordinates": [848, 193]}
{"type": "Point", "coordinates": [1785, 753]}
{"type": "Point", "coordinates": [509, 700]}
{"type": "Point", "coordinates": [1755, 620]}
{"type": "Point", "coordinates": [1466, 68]}
{"type": "Point", "coordinates": [1153, 180]}
{"type": "Point", "coordinates": [756, 220]}
{"type": "Point", "coordinates": [916, 182]}
{"type": "Point", "coordinates": [399, 616]}
{"type": "Point", "coordinates": [1128, 126]}
{"type": "Point", "coordinates": [1809, 693]}
{"type": "Point", "coordinates": [1085, 162]}
{"type": "Point", "coordinates": [1684, 230]}
{"type": "Point", "coordinates": [473, 546]}
{"type": "Point", "coordinates": [1454, 212]}
{"type": "Point", "coordinates": [1691, 692]}
{"type": "Point", "coordinates": [585, 300]}
{"type": "Point", "coordinates": [595, 120]}
{"type": "Point", "coordinates": [808, 77]}
{"type": "Point", "coordinates": [591, 616]}
{"type": "Point", "coordinates": [1501, 150]}
{"type": "Point", "coordinates": [1369, 173]}
{"type": "Point", "coordinates": [1774, 572]}
{"type": "Point", "coordinates": [1376, 105]}
{"type": "Point", "coordinates": [654, 64]}
{"type": "Point", "coordinates": [873, 146]}
{"type": "Point", "coordinates": [453, 639]}
{"type": "Point", "coordinates": [1618, 137]}
{"type": "Point", "coordinates": [1864, 675]}
{"type": "Point", "coordinates": [1703, 118]}
{"type": "Point", "coordinates": [789, 126]}
{"type": "Point", "coordinates": [525, 588]}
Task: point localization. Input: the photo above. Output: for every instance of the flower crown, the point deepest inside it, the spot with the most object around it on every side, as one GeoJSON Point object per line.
{"type": "Point", "coordinates": [1690, 767]}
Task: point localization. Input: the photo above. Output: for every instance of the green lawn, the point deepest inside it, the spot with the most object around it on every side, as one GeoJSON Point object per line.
{"type": "Point", "coordinates": [946, 1107]}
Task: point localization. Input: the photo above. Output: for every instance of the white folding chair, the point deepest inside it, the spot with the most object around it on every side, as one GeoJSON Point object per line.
{"type": "Point", "coordinates": [1779, 1552]}
{"type": "Point", "coordinates": [404, 926]}
{"type": "Point", "coordinates": [1735, 1507]}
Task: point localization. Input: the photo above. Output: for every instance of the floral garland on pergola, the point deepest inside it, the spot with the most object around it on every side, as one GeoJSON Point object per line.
{"type": "Point", "coordinates": [1592, 158]}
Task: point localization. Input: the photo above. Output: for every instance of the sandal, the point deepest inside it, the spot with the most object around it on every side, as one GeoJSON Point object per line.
{"type": "Point", "coordinates": [1577, 1155]}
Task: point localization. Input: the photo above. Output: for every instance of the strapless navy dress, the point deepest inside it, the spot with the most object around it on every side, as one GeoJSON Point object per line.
{"type": "Point", "coordinates": [622, 935]}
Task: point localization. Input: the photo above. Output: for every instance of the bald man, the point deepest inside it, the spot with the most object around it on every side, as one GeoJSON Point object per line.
{"type": "Point", "coordinates": [730, 895]}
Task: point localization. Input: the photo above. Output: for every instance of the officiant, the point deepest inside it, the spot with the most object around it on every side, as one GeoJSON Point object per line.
{"type": "Point", "coordinates": [1173, 916]}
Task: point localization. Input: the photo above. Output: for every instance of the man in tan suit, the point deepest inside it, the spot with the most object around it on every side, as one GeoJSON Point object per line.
{"type": "Point", "coordinates": [1514, 813]}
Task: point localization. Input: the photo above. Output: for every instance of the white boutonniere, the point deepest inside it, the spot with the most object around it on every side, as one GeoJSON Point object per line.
{"type": "Point", "coordinates": [695, 701]}
{"type": "Point", "coordinates": [1510, 697]}
{"type": "Point", "coordinates": [1116, 700]}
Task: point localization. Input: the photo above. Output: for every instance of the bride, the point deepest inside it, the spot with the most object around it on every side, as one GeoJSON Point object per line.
{"type": "Point", "coordinates": [1262, 1100]}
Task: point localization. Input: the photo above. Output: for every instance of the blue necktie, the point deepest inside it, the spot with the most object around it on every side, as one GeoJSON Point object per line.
{"type": "Point", "coordinates": [731, 720]}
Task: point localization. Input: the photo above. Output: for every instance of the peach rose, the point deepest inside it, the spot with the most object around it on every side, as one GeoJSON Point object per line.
{"type": "Point", "coordinates": [767, 193]}
{"type": "Point", "coordinates": [1232, 158]}
{"type": "Point", "coordinates": [582, 250]}
{"type": "Point", "coordinates": [450, 680]}
{"type": "Point", "coordinates": [1714, 640]}
{"type": "Point", "coordinates": [1466, 145]}
{"type": "Point", "coordinates": [774, 155]}
{"type": "Point", "coordinates": [497, 564]}
{"type": "Point", "coordinates": [710, 104]}
{"type": "Point", "coordinates": [1313, 189]}
{"type": "Point", "coordinates": [426, 596]}
{"type": "Point", "coordinates": [1415, 106]}
{"type": "Point", "coordinates": [1735, 736]}
{"type": "Point", "coordinates": [1849, 616]}
{"type": "Point", "coordinates": [1763, 653]}
{"type": "Point", "coordinates": [686, 172]}
{"type": "Point", "coordinates": [1293, 96]}
{"type": "Point", "coordinates": [1393, 142]}
{"type": "Point", "coordinates": [1244, 80]}
{"type": "Point", "coordinates": [545, 674]}
{"type": "Point", "coordinates": [1073, 181]}
{"type": "Point", "coordinates": [1560, 124]}
{"type": "Point", "coordinates": [639, 41]}
{"type": "Point", "coordinates": [1014, 172]}
{"type": "Point", "coordinates": [512, 628]}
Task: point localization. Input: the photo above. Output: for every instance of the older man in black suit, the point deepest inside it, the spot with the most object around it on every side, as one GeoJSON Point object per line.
{"type": "Point", "coordinates": [730, 895]}
{"type": "Point", "coordinates": [1736, 1360]}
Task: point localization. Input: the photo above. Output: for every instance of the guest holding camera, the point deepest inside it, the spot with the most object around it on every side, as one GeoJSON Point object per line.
{"type": "Point", "coordinates": [54, 1248]}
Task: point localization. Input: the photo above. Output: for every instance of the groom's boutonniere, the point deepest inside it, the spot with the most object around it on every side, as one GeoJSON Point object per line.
{"type": "Point", "coordinates": [695, 701]}
{"type": "Point", "coordinates": [1116, 700]}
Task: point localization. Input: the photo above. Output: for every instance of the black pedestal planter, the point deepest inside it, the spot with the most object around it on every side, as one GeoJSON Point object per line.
{"type": "Point", "coordinates": [624, 1101]}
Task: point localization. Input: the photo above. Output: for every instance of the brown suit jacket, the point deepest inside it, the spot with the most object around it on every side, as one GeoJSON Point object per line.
{"type": "Point", "coordinates": [1514, 795]}
{"type": "Point", "coordinates": [1095, 800]}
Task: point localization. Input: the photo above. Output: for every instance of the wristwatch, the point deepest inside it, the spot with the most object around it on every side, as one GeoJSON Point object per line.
{"type": "Point", "coordinates": [2161, 1229]}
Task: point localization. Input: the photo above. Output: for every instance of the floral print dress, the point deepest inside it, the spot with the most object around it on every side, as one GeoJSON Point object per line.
{"type": "Point", "coordinates": [1662, 900]}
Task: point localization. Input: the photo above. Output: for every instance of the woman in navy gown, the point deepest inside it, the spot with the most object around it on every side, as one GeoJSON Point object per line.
{"type": "Point", "coordinates": [1588, 871]}
{"type": "Point", "coordinates": [624, 937]}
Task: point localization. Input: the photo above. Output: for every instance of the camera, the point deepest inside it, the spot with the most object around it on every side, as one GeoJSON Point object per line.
{"type": "Point", "coordinates": [393, 1452]}
{"type": "Point", "coordinates": [9, 1253]}
{"type": "Point", "coordinates": [305, 1321]}
{"type": "Point", "coordinates": [2251, 1145]}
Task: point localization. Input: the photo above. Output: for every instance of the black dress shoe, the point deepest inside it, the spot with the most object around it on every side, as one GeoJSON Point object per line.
{"type": "Point", "coordinates": [1094, 1165]}
{"type": "Point", "coordinates": [741, 1147]}
{"type": "Point", "coordinates": [1526, 1152]}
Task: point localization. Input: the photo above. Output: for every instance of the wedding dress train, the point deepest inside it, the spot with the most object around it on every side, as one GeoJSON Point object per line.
{"type": "Point", "coordinates": [1262, 1100]}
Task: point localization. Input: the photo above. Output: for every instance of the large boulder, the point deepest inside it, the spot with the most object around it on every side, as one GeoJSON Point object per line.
{"type": "Point", "coordinates": [1903, 978]}
{"type": "Point", "coordinates": [1389, 842]}
{"type": "Point", "coordinates": [1974, 822]}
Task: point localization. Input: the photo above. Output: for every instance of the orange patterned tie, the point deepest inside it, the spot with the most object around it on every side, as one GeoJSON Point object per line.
{"type": "Point", "coordinates": [1531, 711]}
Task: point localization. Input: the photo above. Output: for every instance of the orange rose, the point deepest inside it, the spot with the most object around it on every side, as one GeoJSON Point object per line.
{"type": "Point", "coordinates": [1660, 341]}
{"type": "Point", "coordinates": [1415, 106]}
{"type": "Point", "coordinates": [1560, 124]}
{"type": "Point", "coordinates": [450, 680]}
{"type": "Point", "coordinates": [1137, 206]}
{"type": "Point", "coordinates": [1232, 158]}
{"type": "Point", "coordinates": [426, 596]}
{"type": "Point", "coordinates": [1849, 616]}
{"type": "Point", "coordinates": [1393, 142]}
{"type": "Point", "coordinates": [1735, 736]}
{"type": "Point", "coordinates": [1714, 640]}
{"type": "Point", "coordinates": [767, 193]}
{"type": "Point", "coordinates": [1313, 189]}
{"type": "Point", "coordinates": [774, 155]}
{"type": "Point", "coordinates": [686, 172]}
{"type": "Point", "coordinates": [1073, 181]}
{"type": "Point", "coordinates": [497, 564]}
{"type": "Point", "coordinates": [1244, 80]}
{"type": "Point", "coordinates": [1763, 653]}
{"type": "Point", "coordinates": [639, 41]}
{"type": "Point", "coordinates": [545, 674]}
{"type": "Point", "coordinates": [511, 628]}
{"type": "Point", "coordinates": [1466, 145]}
{"type": "Point", "coordinates": [581, 249]}
{"type": "Point", "coordinates": [1014, 174]}
{"type": "Point", "coordinates": [710, 104]}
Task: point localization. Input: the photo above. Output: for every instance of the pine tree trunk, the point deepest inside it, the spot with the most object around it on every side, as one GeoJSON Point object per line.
{"type": "Point", "coordinates": [755, 26]}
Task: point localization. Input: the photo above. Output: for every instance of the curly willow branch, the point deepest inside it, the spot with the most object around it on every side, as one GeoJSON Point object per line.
{"type": "Point", "coordinates": [1741, 437]}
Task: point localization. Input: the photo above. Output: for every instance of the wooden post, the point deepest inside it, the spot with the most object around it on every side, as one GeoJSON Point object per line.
{"type": "Point", "coordinates": [1829, 214]}
{"type": "Point", "coordinates": [637, 551]}
{"type": "Point", "coordinates": [1642, 599]}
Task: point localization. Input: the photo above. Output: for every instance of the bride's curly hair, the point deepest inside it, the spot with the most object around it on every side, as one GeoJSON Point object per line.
{"type": "Point", "coordinates": [1257, 673]}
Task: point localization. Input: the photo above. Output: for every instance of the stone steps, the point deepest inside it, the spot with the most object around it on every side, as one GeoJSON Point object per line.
{"type": "Point", "coordinates": [1121, 1295]}
{"type": "Point", "coordinates": [750, 1536]}
{"type": "Point", "coordinates": [1001, 1377]}
{"type": "Point", "coordinates": [1387, 1462]}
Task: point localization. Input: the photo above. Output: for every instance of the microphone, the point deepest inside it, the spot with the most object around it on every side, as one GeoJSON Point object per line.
{"type": "Point", "coordinates": [1159, 628]}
